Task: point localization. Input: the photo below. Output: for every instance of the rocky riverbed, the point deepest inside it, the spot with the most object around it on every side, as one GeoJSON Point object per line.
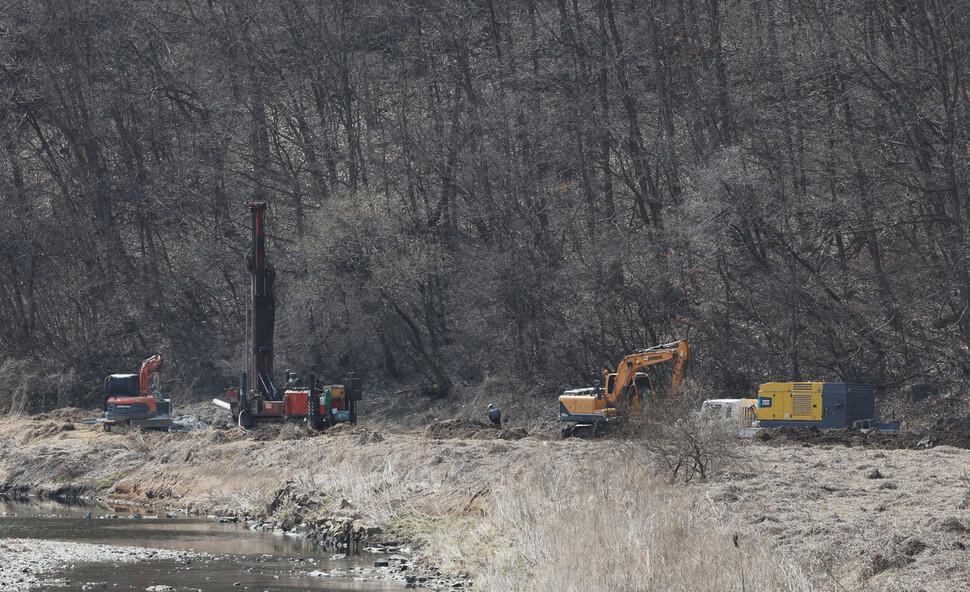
{"type": "Point", "coordinates": [29, 563]}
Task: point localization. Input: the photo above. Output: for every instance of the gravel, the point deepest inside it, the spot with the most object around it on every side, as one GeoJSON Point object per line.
{"type": "Point", "coordinates": [29, 563]}
{"type": "Point", "coordinates": [187, 423]}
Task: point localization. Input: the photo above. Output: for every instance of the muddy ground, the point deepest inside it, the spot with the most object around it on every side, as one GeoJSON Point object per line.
{"type": "Point", "coordinates": [472, 430]}
{"type": "Point", "coordinates": [945, 433]}
{"type": "Point", "coordinates": [857, 511]}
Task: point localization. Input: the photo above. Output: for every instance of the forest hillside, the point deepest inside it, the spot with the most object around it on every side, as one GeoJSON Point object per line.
{"type": "Point", "coordinates": [468, 192]}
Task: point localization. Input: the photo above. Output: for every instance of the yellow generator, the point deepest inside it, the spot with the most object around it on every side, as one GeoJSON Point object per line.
{"type": "Point", "coordinates": [821, 404]}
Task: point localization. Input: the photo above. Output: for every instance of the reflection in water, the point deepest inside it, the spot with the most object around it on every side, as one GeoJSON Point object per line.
{"type": "Point", "coordinates": [245, 560]}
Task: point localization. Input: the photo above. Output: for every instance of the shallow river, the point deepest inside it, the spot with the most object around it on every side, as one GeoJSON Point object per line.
{"type": "Point", "coordinates": [243, 559]}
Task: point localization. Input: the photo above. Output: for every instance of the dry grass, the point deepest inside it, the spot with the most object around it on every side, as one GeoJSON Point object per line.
{"type": "Point", "coordinates": [691, 447]}
{"type": "Point", "coordinates": [27, 386]}
{"type": "Point", "coordinates": [608, 522]}
{"type": "Point", "coordinates": [557, 515]}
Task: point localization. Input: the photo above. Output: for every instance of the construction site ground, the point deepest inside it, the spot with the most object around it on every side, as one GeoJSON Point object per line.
{"type": "Point", "coordinates": [847, 511]}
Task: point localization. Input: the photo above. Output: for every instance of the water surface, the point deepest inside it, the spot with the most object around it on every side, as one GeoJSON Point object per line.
{"type": "Point", "coordinates": [244, 559]}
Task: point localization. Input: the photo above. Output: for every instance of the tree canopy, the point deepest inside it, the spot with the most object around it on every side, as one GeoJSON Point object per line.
{"type": "Point", "coordinates": [471, 188]}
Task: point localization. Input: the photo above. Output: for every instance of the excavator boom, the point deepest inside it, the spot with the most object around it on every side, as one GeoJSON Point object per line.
{"type": "Point", "coordinates": [149, 367]}
{"type": "Point", "coordinates": [596, 407]}
{"type": "Point", "coordinates": [677, 351]}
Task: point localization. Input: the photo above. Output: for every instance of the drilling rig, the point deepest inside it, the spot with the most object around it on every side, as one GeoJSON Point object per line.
{"type": "Point", "coordinates": [257, 399]}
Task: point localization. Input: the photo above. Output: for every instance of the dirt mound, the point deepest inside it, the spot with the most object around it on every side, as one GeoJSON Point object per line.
{"type": "Point", "coordinates": [265, 432]}
{"type": "Point", "coordinates": [951, 432]}
{"type": "Point", "coordinates": [222, 436]}
{"type": "Point", "coordinates": [342, 429]}
{"type": "Point", "coordinates": [471, 430]}
{"type": "Point", "coordinates": [813, 436]}
{"type": "Point", "coordinates": [954, 433]}
{"type": "Point", "coordinates": [46, 429]}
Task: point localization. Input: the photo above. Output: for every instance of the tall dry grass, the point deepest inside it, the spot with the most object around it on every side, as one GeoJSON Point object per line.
{"type": "Point", "coordinates": [573, 517]}
{"type": "Point", "coordinates": [568, 516]}
{"type": "Point", "coordinates": [29, 386]}
{"type": "Point", "coordinates": [611, 524]}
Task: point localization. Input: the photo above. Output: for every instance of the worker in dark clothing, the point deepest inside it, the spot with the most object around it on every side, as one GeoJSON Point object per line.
{"type": "Point", "coordinates": [495, 415]}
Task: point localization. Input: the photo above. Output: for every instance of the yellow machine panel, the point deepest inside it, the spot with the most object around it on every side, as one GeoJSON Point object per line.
{"type": "Point", "coordinates": [585, 404]}
{"type": "Point", "coordinates": [337, 391]}
{"type": "Point", "coordinates": [790, 401]}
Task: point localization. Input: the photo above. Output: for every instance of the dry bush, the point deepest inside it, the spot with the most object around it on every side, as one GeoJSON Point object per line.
{"type": "Point", "coordinates": [608, 523]}
{"type": "Point", "coordinates": [898, 552]}
{"type": "Point", "coordinates": [687, 444]}
{"type": "Point", "coordinates": [140, 442]}
{"type": "Point", "coordinates": [29, 386]}
{"type": "Point", "coordinates": [295, 431]}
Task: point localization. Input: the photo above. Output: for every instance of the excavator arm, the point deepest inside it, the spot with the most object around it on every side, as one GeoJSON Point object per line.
{"type": "Point", "coordinates": [150, 367]}
{"type": "Point", "coordinates": [621, 396]}
{"type": "Point", "coordinates": [589, 410]}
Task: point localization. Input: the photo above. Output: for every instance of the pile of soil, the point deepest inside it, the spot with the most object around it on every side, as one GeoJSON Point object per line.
{"type": "Point", "coordinates": [953, 433]}
{"type": "Point", "coordinates": [471, 430]}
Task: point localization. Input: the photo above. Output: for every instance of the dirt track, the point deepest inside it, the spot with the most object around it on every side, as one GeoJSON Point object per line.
{"type": "Point", "coordinates": [856, 511]}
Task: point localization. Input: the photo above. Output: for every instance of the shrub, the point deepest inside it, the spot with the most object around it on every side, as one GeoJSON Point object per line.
{"type": "Point", "coordinates": [28, 386]}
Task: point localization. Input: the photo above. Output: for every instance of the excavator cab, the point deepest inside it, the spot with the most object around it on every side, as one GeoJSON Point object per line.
{"type": "Point", "coordinates": [121, 400]}
{"type": "Point", "coordinates": [136, 399]}
{"type": "Point", "coordinates": [629, 390]}
{"type": "Point", "coordinates": [640, 394]}
{"type": "Point", "coordinates": [644, 393]}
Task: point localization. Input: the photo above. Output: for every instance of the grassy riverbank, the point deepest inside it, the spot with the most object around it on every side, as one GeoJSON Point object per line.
{"type": "Point", "coordinates": [534, 513]}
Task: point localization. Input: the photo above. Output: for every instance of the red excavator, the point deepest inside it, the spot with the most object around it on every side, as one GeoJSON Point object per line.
{"type": "Point", "coordinates": [135, 400]}
{"type": "Point", "coordinates": [258, 400]}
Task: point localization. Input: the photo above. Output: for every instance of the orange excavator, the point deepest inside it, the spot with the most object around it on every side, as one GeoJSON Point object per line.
{"type": "Point", "coordinates": [590, 411]}
{"type": "Point", "coordinates": [135, 400]}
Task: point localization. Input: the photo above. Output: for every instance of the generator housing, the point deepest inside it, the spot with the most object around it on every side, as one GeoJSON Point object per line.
{"type": "Point", "coordinates": [820, 404]}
